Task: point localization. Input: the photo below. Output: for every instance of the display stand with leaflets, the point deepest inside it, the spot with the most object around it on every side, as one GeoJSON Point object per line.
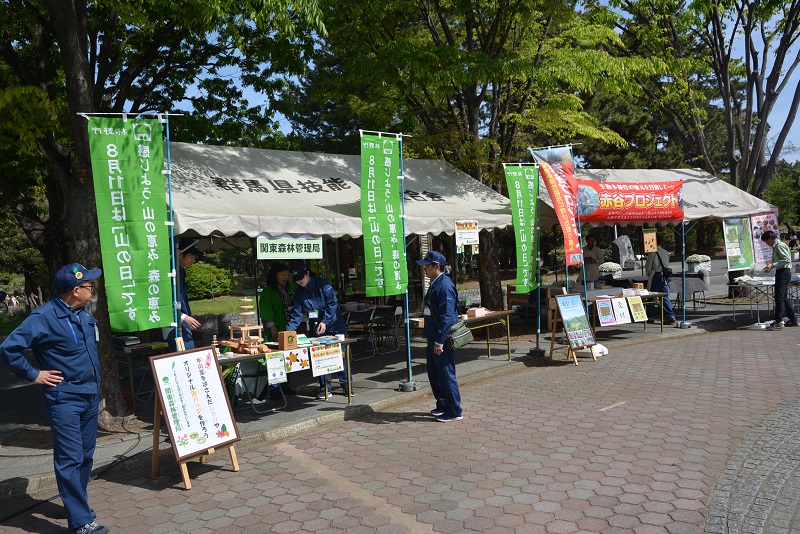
{"type": "Point", "coordinates": [569, 310]}
{"type": "Point", "coordinates": [191, 398]}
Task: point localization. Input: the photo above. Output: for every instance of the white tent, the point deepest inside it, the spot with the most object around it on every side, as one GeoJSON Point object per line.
{"type": "Point", "coordinates": [705, 196]}
{"type": "Point", "coordinates": [246, 191]}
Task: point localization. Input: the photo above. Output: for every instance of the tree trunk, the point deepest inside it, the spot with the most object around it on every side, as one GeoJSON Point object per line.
{"type": "Point", "coordinates": [489, 275]}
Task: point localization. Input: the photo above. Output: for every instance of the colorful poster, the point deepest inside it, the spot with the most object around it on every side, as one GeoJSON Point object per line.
{"type": "Point", "coordinates": [523, 192]}
{"type": "Point", "coordinates": [286, 248]}
{"type": "Point", "coordinates": [276, 367]}
{"type": "Point", "coordinates": [637, 309]}
{"type": "Point", "coordinates": [758, 225]}
{"type": "Point", "coordinates": [385, 268]}
{"type": "Point", "coordinates": [558, 173]}
{"type": "Point", "coordinates": [738, 243]}
{"type": "Point", "coordinates": [624, 202]}
{"type": "Point", "coordinates": [576, 324]}
{"type": "Point", "coordinates": [130, 193]}
{"type": "Point", "coordinates": [621, 313]}
{"type": "Point", "coordinates": [326, 359]}
{"type": "Point", "coordinates": [467, 233]}
{"type": "Point", "coordinates": [605, 312]}
{"type": "Point", "coordinates": [194, 402]}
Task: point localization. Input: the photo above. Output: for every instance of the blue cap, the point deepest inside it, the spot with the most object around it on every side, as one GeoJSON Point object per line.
{"type": "Point", "coordinates": [73, 275]}
{"type": "Point", "coordinates": [433, 257]}
{"type": "Point", "coordinates": [298, 270]}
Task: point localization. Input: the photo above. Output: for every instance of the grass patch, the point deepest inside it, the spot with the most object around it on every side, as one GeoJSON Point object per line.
{"type": "Point", "coordinates": [218, 305]}
{"type": "Point", "coordinates": [8, 322]}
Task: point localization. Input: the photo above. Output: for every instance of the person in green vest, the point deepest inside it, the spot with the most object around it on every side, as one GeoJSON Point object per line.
{"type": "Point", "coordinates": [275, 308]}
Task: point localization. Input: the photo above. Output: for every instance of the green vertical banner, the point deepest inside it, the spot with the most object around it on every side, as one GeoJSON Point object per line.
{"type": "Point", "coordinates": [385, 267]}
{"type": "Point", "coordinates": [523, 192]}
{"type": "Point", "coordinates": [127, 164]}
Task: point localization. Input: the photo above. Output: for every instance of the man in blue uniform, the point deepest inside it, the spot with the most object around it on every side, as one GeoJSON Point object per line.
{"type": "Point", "coordinates": [316, 298]}
{"type": "Point", "coordinates": [188, 254]}
{"type": "Point", "coordinates": [63, 337]}
{"type": "Point", "coordinates": [440, 315]}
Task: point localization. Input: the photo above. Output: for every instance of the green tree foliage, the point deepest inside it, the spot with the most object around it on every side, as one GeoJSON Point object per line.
{"type": "Point", "coordinates": [204, 280]}
{"type": "Point", "coordinates": [784, 192]}
{"type": "Point", "coordinates": [60, 59]}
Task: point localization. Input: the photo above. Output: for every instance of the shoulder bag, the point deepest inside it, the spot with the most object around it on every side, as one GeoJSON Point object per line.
{"type": "Point", "coordinates": [666, 271]}
{"type": "Point", "coordinates": [459, 335]}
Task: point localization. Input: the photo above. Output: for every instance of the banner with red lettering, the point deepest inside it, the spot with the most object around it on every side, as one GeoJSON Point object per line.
{"type": "Point", "coordinates": [558, 172]}
{"type": "Point", "coordinates": [624, 202]}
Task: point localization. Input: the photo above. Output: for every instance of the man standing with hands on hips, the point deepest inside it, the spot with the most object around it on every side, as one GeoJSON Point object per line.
{"type": "Point", "coordinates": [782, 263]}
{"type": "Point", "coordinates": [63, 337]}
{"type": "Point", "coordinates": [440, 316]}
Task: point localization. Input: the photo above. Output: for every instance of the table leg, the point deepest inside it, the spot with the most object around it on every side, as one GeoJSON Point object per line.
{"type": "Point", "coordinates": [488, 345]}
{"type": "Point", "coordinates": [349, 376]}
{"type": "Point", "coordinates": [508, 335]}
{"type": "Point", "coordinates": [661, 305]}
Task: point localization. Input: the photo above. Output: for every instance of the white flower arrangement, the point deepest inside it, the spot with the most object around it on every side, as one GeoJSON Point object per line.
{"type": "Point", "coordinates": [610, 267]}
{"type": "Point", "coordinates": [698, 258]}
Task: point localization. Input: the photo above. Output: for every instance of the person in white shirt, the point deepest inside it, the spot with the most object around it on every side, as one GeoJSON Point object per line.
{"type": "Point", "coordinates": [592, 258]}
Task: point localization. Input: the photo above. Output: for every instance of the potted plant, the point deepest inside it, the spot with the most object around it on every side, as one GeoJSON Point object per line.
{"type": "Point", "coordinates": [695, 262]}
{"type": "Point", "coordinates": [609, 267]}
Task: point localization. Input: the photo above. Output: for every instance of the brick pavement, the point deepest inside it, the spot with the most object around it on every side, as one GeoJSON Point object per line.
{"type": "Point", "coordinates": [632, 443]}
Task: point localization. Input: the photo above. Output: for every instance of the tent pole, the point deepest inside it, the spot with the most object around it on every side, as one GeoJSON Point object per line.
{"type": "Point", "coordinates": [684, 323]}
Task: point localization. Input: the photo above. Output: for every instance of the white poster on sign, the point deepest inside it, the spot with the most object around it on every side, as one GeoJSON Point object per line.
{"type": "Point", "coordinates": [326, 359]}
{"type": "Point", "coordinates": [194, 402]}
{"type": "Point", "coordinates": [276, 367]}
{"type": "Point", "coordinates": [288, 248]}
{"type": "Point", "coordinates": [467, 233]}
{"type": "Point", "coordinates": [758, 225]}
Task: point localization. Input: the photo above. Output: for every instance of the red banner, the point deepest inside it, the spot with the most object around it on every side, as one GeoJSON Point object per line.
{"type": "Point", "coordinates": [628, 202]}
{"type": "Point", "coordinates": [562, 188]}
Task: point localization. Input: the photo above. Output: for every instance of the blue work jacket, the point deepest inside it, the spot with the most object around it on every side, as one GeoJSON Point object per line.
{"type": "Point", "coordinates": [441, 299]}
{"type": "Point", "coordinates": [61, 339]}
{"type": "Point", "coordinates": [317, 295]}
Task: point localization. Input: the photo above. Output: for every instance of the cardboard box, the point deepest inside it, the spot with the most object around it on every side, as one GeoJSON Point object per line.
{"type": "Point", "coordinates": [476, 312]}
{"type": "Point", "coordinates": [287, 339]}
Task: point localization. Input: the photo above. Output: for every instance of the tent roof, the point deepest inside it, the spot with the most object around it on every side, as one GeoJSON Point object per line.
{"type": "Point", "coordinates": [234, 191]}
{"type": "Point", "coordinates": [705, 195]}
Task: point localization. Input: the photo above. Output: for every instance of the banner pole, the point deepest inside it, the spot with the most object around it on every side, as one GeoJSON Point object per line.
{"type": "Point", "coordinates": [410, 384]}
{"type": "Point", "coordinates": [175, 312]}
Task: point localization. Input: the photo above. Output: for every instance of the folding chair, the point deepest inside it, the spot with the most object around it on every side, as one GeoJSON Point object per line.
{"type": "Point", "coordinates": [385, 326]}
{"type": "Point", "coordinates": [359, 326]}
{"type": "Point", "coordinates": [246, 371]}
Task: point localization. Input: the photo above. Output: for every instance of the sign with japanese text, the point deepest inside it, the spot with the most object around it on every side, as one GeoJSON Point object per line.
{"type": "Point", "coordinates": [576, 324]}
{"type": "Point", "coordinates": [650, 240]}
{"type": "Point", "coordinates": [467, 233]}
{"type": "Point", "coordinates": [759, 224]}
{"type": "Point", "coordinates": [738, 243]}
{"type": "Point", "coordinates": [127, 164]}
{"type": "Point", "coordinates": [288, 248]}
{"type": "Point", "coordinates": [630, 201]}
{"type": "Point", "coordinates": [385, 269]}
{"type": "Point", "coordinates": [558, 172]}
{"type": "Point", "coordinates": [326, 359]}
{"type": "Point", "coordinates": [523, 192]}
{"type": "Point", "coordinates": [195, 404]}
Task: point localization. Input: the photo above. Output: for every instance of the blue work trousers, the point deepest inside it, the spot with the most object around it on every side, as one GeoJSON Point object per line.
{"type": "Point", "coordinates": [783, 304]}
{"type": "Point", "coordinates": [442, 376]}
{"type": "Point", "coordinates": [73, 422]}
{"type": "Point", "coordinates": [660, 284]}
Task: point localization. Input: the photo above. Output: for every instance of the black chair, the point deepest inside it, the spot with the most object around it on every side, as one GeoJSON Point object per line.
{"type": "Point", "coordinates": [386, 325]}
{"type": "Point", "coordinates": [359, 326]}
{"type": "Point", "coordinates": [254, 370]}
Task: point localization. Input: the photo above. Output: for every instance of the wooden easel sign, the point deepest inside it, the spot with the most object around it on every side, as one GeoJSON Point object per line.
{"type": "Point", "coordinates": [576, 325]}
{"type": "Point", "coordinates": [195, 406]}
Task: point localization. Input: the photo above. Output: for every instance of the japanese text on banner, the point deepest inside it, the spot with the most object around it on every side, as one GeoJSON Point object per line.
{"type": "Point", "coordinates": [523, 192]}
{"type": "Point", "coordinates": [385, 266]}
{"type": "Point", "coordinates": [127, 164]}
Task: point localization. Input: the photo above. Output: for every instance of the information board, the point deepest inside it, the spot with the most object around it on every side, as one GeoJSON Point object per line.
{"type": "Point", "coordinates": [738, 243]}
{"type": "Point", "coordinates": [326, 359]}
{"type": "Point", "coordinates": [576, 324]}
{"type": "Point", "coordinates": [196, 408]}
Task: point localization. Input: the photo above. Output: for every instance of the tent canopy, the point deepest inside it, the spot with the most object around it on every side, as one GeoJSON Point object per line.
{"type": "Point", "coordinates": [705, 196]}
{"type": "Point", "coordinates": [246, 191]}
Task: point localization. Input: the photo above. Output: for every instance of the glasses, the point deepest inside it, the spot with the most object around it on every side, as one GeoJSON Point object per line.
{"type": "Point", "coordinates": [89, 287]}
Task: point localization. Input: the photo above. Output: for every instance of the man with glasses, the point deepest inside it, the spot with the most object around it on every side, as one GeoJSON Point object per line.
{"type": "Point", "coordinates": [63, 337]}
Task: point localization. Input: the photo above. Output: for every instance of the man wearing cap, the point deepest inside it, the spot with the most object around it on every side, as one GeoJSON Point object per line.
{"type": "Point", "coordinates": [188, 254]}
{"type": "Point", "coordinates": [440, 316]}
{"type": "Point", "coordinates": [63, 337]}
{"type": "Point", "coordinates": [316, 298]}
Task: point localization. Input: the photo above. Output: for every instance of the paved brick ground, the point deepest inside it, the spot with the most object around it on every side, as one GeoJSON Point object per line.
{"type": "Point", "coordinates": [635, 442]}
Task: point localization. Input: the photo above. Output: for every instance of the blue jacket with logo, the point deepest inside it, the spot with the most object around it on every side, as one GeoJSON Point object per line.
{"type": "Point", "coordinates": [317, 295]}
{"type": "Point", "coordinates": [61, 339]}
{"type": "Point", "coordinates": [442, 300]}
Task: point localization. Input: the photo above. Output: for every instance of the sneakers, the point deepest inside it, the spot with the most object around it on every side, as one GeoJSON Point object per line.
{"type": "Point", "coordinates": [436, 412]}
{"type": "Point", "coordinates": [91, 528]}
{"type": "Point", "coordinates": [777, 325]}
{"type": "Point", "coordinates": [669, 320]}
{"type": "Point", "coordinates": [444, 419]}
{"type": "Point", "coordinates": [793, 323]}
{"type": "Point", "coordinates": [321, 395]}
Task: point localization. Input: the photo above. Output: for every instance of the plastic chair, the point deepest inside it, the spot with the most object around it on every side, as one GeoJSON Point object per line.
{"type": "Point", "coordinates": [254, 370]}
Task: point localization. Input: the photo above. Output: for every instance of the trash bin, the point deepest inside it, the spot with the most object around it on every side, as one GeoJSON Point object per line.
{"type": "Point", "coordinates": [223, 324]}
